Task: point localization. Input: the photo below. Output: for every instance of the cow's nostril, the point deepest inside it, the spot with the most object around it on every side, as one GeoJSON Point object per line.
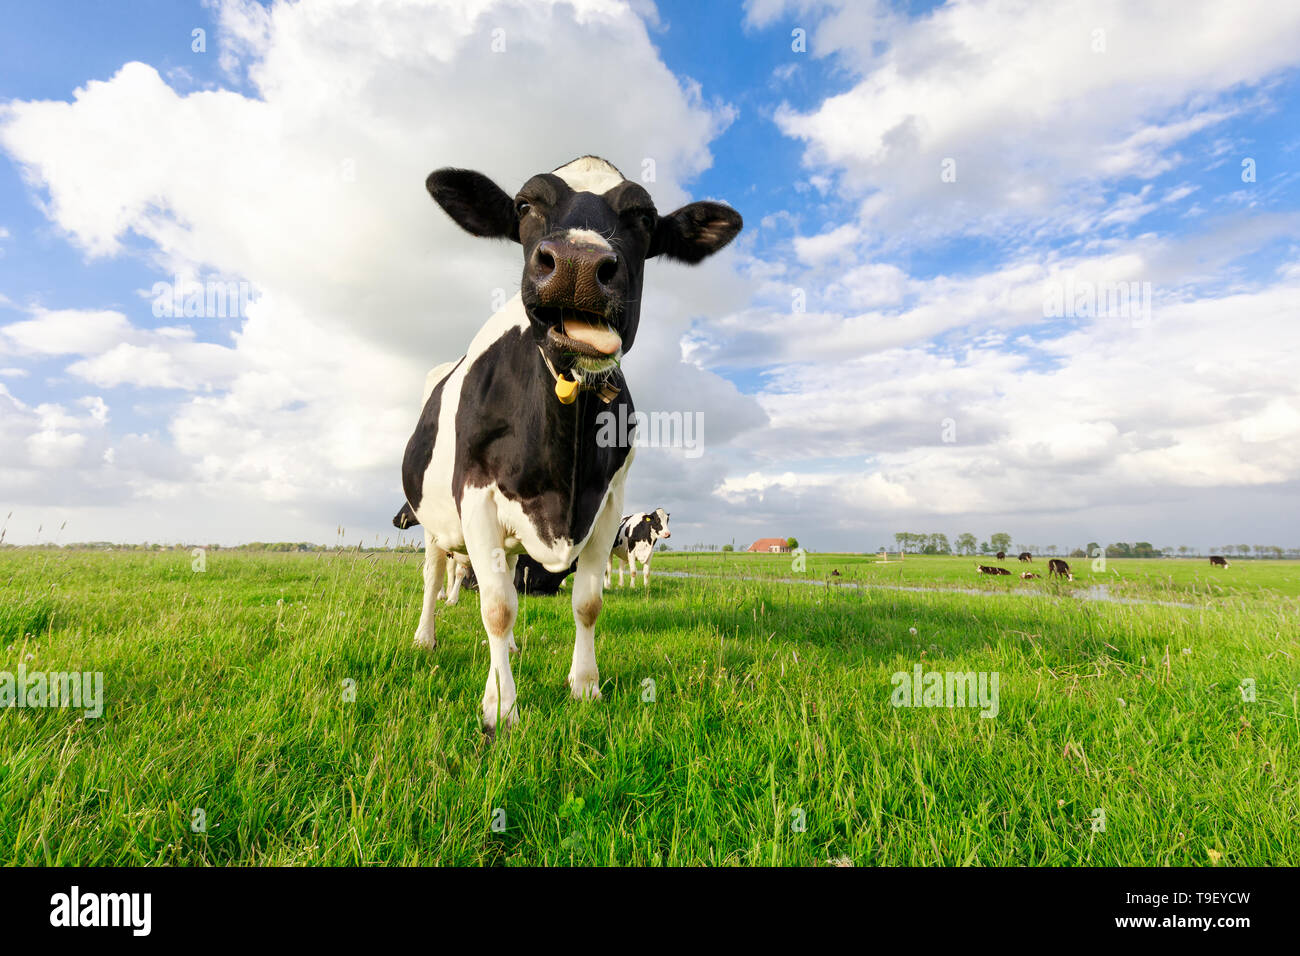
{"type": "Point", "coordinates": [543, 264]}
{"type": "Point", "coordinates": [606, 271]}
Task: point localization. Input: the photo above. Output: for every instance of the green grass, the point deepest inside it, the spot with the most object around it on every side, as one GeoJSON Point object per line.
{"type": "Point", "coordinates": [225, 691]}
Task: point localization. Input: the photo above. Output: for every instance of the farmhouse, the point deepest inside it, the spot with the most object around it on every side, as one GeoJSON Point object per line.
{"type": "Point", "coordinates": [770, 546]}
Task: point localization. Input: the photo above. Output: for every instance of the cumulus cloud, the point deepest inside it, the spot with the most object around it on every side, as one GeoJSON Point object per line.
{"type": "Point", "coordinates": [1037, 106]}
{"type": "Point", "coordinates": [310, 188]}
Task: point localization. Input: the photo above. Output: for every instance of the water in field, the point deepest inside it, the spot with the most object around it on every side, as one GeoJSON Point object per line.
{"type": "Point", "coordinates": [1094, 593]}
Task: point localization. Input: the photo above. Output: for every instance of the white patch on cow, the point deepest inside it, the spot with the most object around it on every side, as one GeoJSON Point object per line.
{"type": "Point", "coordinates": [437, 511]}
{"type": "Point", "coordinates": [588, 237]}
{"type": "Point", "coordinates": [436, 375]}
{"type": "Point", "coordinates": [590, 174]}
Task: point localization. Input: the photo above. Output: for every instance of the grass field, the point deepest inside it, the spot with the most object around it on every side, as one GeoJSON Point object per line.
{"type": "Point", "coordinates": [771, 737]}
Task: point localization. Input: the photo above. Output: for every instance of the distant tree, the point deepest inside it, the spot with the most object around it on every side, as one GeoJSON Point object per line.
{"type": "Point", "coordinates": [792, 543]}
{"type": "Point", "coordinates": [1078, 553]}
{"type": "Point", "coordinates": [937, 544]}
{"type": "Point", "coordinates": [728, 547]}
{"type": "Point", "coordinates": [1000, 541]}
{"type": "Point", "coordinates": [1120, 549]}
{"type": "Point", "coordinates": [1093, 549]}
{"type": "Point", "coordinates": [984, 547]}
{"type": "Point", "coordinates": [966, 543]}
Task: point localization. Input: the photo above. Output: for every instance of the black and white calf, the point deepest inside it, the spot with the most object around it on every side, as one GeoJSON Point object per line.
{"type": "Point", "coordinates": [505, 459]}
{"type": "Point", "coordinates": [635, 544]}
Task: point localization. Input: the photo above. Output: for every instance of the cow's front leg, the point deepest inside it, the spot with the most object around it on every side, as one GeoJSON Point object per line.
{"type": "Point", "coordinates": [584, 677]}
{"type": "Point", "coordinates": [498, 606]}
{"type": "Point", "coordinates": [609, 570]}
{"type": "Point", "coordinates": [435, 567]}
{"type": "Point", "coordinates": [645, 572]}
{"type": "Point", "coordinates": [631, 567]}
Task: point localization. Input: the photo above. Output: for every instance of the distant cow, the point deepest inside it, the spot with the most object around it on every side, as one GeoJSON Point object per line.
{"type": "Point", "coordinates": [1218, 561]}
{"type": "Point", "coordinates": [1058, 567]}
{"type": "Point", "coordinates": [986, 569]}
{"type": "Point", "coordinates": [1028, 575]}
{"type": "Point", "coordinates": [636, 542]}
{"type": "Point", "coordinates": [1001, 555]}
{"type": "Point", "coordinates": [1026, 556]}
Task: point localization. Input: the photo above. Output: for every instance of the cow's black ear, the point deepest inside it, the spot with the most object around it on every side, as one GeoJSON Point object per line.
{"type": "Point", "coordinates": [695, 231]}
{"type": "Point", "coordinates": [478, 205]}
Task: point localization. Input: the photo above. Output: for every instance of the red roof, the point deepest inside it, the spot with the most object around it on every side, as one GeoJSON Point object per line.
{"type": "Point", "coordinates": [767, 544]}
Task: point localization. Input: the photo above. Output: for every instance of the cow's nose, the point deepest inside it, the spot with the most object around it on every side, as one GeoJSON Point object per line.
{"type": "Point", "coordinates": [667, 534]}
{"type": "Point", "coordinates": [572, 275]}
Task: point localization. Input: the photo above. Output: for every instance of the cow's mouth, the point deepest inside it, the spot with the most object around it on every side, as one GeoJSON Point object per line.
{"type": "Point", "coordinates": [585, 336]}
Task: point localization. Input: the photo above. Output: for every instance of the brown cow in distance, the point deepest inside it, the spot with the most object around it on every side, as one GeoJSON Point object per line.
{"type": "Point", "coordinates": [1001, 555]}
{"type": "Point", "coordinates": [1218, 561]}
{"type": "Point", "coordinates": [1058, 567]}
{"type": "Point", "coordinates": [1025, 556]}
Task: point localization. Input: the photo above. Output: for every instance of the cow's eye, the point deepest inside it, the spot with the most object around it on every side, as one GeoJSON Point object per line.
{"type": "Point", "coordinates": [647, 221]}
{"type": "Point", "coordinates": [522, 208]}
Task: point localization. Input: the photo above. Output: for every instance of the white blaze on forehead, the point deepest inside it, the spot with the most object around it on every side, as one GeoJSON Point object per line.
{"type": "Point", "coordinates": [590, 174]}
{"type": "Point", "coordinates": [588, 237]}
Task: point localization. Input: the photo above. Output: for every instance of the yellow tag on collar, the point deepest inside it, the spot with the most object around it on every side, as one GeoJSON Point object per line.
{"type": "Point", "coordinates": [566, 391]}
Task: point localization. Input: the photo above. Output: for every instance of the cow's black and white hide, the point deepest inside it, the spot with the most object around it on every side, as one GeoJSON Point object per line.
{"type": "Point", "coordinates": [635, 544]}
{"type": "Point", "coordinates": [505, 459]}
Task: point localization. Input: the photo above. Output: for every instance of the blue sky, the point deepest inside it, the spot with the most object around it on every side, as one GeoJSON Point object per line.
{"type": "Point", "coordinates": [1102, 145]}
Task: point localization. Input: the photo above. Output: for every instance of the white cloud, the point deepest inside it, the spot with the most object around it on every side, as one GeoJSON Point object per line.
{"type": "Point", "coordinates": [1035, 103]}
{"type": "Point", "coordinates": [312, 189]}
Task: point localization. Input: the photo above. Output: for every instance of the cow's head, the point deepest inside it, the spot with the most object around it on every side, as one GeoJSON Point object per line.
{"type": "Point", "coordinates": [586, 233]}
{"type": "Point", "coordinates": [658, 520]}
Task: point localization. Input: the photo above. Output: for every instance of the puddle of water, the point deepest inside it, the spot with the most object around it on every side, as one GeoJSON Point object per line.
{"type": "Point", "coordinates": [1093, 593]}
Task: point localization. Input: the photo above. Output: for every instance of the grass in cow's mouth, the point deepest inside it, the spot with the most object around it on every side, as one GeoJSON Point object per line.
{"type": "Point", "coordinates": [227, 691]}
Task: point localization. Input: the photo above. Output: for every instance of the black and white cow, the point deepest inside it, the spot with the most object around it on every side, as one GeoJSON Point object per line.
{"type": "Point", "coordinates": [989, 569]}
{"type": "Point", "coordinates": [1218, 561]}
{"type": "Point", "coordinates": [1025, 556]}
{"type": "Point", "coordinates": [635, 544]}
{"type": "Point", "coordinates": [505, 459]}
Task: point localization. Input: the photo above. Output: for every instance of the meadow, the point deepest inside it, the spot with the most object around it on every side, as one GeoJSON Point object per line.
{"type": "Point", "coordinates": [1147, 715]}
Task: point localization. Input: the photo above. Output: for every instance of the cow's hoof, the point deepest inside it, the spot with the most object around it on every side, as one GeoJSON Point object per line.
{"type": "Point", "coordinates": [503, 718]}
{"type": "Point", "coordinates": [584, 687]}
{"type": "Point", "coordinates": [453, 602]}
{"type": "Point", "coordinates": [425, 640]}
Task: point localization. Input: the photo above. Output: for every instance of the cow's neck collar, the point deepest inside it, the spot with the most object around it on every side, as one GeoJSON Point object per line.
{"type": "Point", "coordinates": [566, 389]}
